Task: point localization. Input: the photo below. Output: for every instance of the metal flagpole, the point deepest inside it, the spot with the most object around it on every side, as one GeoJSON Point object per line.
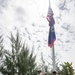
{"type": "Point", "coordinates": [53, 61]}
{"type": "Point", "coordinates": [53, 55]}
{"type": "Point", "coordinates": [49, 3]}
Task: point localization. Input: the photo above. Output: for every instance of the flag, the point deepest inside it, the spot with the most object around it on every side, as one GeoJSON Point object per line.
{"type": "Point", "coordinates": [50, 15]}
{"type": "Point", "coordinates": [52, 36]}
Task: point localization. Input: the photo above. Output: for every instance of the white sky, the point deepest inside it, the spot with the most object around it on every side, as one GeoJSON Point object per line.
{"type": "Point", "coordinates": [21, 14]}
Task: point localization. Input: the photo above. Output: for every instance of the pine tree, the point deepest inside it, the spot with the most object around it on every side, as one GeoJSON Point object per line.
{"type": "Point", "coordinates": [1, 47]}
{"type": "Point", "coordinates": [1, 50]}
{"type": "Point", "coordinates": [18, 60]}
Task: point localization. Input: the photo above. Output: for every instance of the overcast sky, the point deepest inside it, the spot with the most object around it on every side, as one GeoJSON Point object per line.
{"type": "Point", "coordinates": [29, 17]}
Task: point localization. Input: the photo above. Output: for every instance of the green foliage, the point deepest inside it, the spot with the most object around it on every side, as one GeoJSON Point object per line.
{"type": "Point", "coordinates": [18, 60]}
{"type": "Point", "coordinates": [59, 72]}
{"type": "Point", "coordinates": [67, 69]}
{"type": "Point", "coordinates": [1, 46]}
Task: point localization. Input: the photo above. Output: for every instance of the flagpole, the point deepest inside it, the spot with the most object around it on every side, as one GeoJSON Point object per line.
{"type": "Point", "coordinates": [53, 54]}
{"type": "Point", "coordinates": [53, 61]}
{"type": "Point", "coordinates": [49, 3]}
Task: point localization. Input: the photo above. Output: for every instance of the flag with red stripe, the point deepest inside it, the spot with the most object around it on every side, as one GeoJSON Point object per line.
{"type": "Point", "coordinates": [52, 36]}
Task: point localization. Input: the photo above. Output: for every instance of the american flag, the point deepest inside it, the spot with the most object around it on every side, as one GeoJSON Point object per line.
{"type": "Point", "coordinates": [52, 36]}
